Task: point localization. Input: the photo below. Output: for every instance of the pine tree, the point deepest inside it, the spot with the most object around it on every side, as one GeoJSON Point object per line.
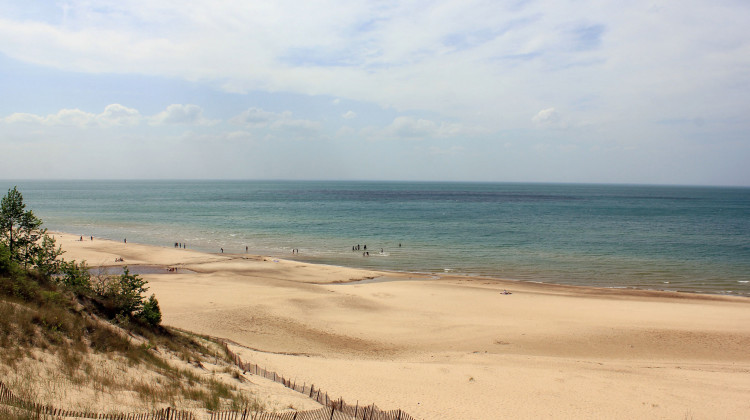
{"type": "Point", "coordinates": [20, 229]}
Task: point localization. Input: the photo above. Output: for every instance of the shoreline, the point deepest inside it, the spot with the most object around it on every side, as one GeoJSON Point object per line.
{"type": "Point", "coordinates": [430, 345]}
{"type": "Point", "coordinates": [522, 232]}
{"type": "Point", "coordinates": [436, 275]}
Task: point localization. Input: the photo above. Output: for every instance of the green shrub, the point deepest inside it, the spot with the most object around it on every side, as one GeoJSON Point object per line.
{"type": "Point", "coordinates": [75, 275]}
{"type": "Point", "coordinates": [150, 312]}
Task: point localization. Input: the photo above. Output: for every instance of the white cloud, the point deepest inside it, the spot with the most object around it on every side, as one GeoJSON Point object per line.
{"type": "Point", "coordinates": [22, 118]}
{"type": "Point", "coordinates": [118, 115]}
{"type": "Point", "coordinates": [455, 59]}
{"type": "Point", "coordinates": [181, 114]}
{"type": "Point", "coordinates": [618, 73]}
{"type": "Point", "coordinates": [71, 117]}
{"type": "Point", "coordinates": [256, 117]}
{"type": "Point", "coordinates": [113, 115]}
{"type": "Point", "coordinates": [348, 115]}
{"type": "Point", "coordinates": [547, 117]}
{"type": "Point", "coordinates": [259, 118]}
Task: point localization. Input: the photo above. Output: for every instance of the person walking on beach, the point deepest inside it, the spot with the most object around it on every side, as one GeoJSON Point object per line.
{"type": "Point", "coordinates": [222, 250]}
{"type": "Point", "coordinates": [125, 240]}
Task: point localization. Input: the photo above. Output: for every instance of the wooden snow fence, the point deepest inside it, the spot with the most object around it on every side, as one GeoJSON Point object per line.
{"type": "Point", "coordinates": [333, 407]}
{"type": "Point", "coordinates": [328, 413]}
{"type": "Point", "coordinates": [12, 404]}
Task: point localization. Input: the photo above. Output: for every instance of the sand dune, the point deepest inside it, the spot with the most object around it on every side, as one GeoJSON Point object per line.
{"type": "Point", "coordinates": [456, 347]}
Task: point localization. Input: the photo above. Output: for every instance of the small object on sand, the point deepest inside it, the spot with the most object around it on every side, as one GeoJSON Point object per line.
{"type": "Point", "coordinates": [505, 292]}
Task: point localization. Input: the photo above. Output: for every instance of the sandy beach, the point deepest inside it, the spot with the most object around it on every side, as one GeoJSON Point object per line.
{"type": "Point", "coordinates": [453, 347]}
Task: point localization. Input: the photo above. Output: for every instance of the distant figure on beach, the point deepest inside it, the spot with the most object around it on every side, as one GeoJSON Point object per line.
{"type": "Point", "coordinates": [245, 249]}
{"type": "Point", "coordinates": [92, 237]}
{"type": "Point", "coordinates": [125, 240]}
{"type": "Point", "coordinates": [81, 238]}
{"type": "Point", "coordinates": [222, 250]}
{"type": "Point", "coordinates": [365, 247]}
{"type": "Point", "coordinates": [505, 292]}
{"type": "Point", "coordinates": [399, 244]}
{"type": "Point", "coordinates": [175, 244]}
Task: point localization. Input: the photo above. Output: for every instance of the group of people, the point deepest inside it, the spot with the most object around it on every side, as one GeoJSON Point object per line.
{"type": "Point", "coordinates": [367, 253]}
{"type": "Point", "coordinates": [179, 245]}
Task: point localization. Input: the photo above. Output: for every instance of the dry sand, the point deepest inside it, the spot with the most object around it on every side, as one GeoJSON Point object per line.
{"type": "Point", "coordinates": [456, 347]}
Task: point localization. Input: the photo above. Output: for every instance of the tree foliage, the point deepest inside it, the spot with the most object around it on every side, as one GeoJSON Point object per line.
{"type": "Point", "coordinates": [150, 312]}
{"type": "Point", "coordinates": [127, 293]}
{"type": "Point", "coordinates": [28, 243]}
{"type": "Point", "coordinates": [25, 247]}
{"type": "Point", "coordinates": [6, 263]}
{"type": "Point", "coordinates": [75, 276]}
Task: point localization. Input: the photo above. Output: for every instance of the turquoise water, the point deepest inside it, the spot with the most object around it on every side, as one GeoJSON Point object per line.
{"type": "Point", "coordinates": [650, 237]}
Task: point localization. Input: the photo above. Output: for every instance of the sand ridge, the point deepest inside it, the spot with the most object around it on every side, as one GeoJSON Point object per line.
{"type": "Point", "coordinates": [456, 347]}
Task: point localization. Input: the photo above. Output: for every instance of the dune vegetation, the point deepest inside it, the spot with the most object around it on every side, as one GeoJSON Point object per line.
{"type": "Point", "coordinates": [89, 342]}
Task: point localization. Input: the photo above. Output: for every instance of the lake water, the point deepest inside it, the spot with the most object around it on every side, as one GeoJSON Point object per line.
{"type": "Point", "coordinates": [649, 237]}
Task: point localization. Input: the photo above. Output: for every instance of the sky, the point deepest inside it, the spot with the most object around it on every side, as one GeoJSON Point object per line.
{"type": "Point", "coordinates": [500, 91]}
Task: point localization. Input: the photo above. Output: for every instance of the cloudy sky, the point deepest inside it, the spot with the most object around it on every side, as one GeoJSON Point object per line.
{"type": "Point", "coordinates": [533, 91]}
